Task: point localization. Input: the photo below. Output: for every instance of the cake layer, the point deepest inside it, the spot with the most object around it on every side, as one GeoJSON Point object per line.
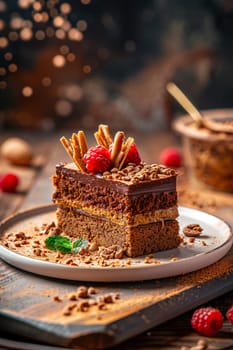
{"type": "Point", "coordinates": [125, 219]}
{"type": "Point", "coordinates": [135, 240]}
{"type": "Point", "coordinates": [124, 195]}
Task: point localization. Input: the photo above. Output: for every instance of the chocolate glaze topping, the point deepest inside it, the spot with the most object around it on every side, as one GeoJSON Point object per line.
{"type": "Point", "coordinates": [134, 180]}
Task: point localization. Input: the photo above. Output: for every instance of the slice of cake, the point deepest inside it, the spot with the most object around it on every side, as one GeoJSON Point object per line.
{"type": "Point", "coordinates": [109, 197]}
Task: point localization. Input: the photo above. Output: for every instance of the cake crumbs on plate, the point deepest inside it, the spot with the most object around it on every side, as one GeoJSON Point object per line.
{"type": "Point", "coordinates": [174, 259]}
{"type": "Point", "coordinates": [33, 245]}
{"type": "Point", "coordinates": [192, 230]}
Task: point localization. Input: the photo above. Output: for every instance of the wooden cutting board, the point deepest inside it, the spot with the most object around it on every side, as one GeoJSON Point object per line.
{"type": "Point", "coordinates": [28, 308]}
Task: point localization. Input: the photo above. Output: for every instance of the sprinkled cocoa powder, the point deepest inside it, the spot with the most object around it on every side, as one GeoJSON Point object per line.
{"type": "Point", "coordinates": [197, 200]}
{"type": "Point", "coordinates": [224, 266]}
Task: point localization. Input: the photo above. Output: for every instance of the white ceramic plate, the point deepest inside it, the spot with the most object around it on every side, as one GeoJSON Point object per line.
{"type": "Point", "coordinates": [215, 241]}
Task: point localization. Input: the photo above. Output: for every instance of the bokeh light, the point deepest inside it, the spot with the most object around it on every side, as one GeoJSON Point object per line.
{"type": "Point", "coordinates": [12, 68]}
{"type": "Point", "coordinates": [85, 2]}
{"type": "Point", "coordinates": [87, 69]}
{"type": "Point", "coordinates": [3, 84]}
{"type": "Point", "coordinates": [40, 35]}
{"type": "Point", "coordinates": [27, 91]}
{"type": "Point", "coordinates": [16, 22]}
{"type": "Point", "coordinates": [3, 6]}
{"type": "Point", "coordinates": [59, 61]}
{"type": "Point", "coordinates": [82, 25]}
{"type": "Point", "coordinates": [2, 71]}
{"type": "Point", "coordinates": [60, 34]}
{"type": "Point", "coordinates": [8, 56]}
{"type": "Point", "coordinates": [13, 36]}
{"type": "Point", "coordinates": [45, 16]}
{"type": "Point", "coordinates": [25, 4]}
{"type": "Point", "coordinates": [75, 34]}
{"type": "Point", "coordinates": [46, 81]}
{"type": "Point", "coordinates": [26, 34]}
{"type": "Point", "coordinates": [66, 26]}
{"type": "Point", "coordinates": [72, 92]}
{"type": "Point", "coordinates": [38, 17]}
{"type": "Point", "coordinates": [71, 57]}
{"type": "Point", "coordinates": [58, 21]}
{"type": "Point", "coordinates": [50, 32]}
{"type": "Point", "coordinates": [3, 42]}
{"type": "Point", "coordinates": [37, 6]}
{"type": "Point", "coordinates": [65, 8]}
{"type": "Point", "coordinates": [63, 108]}
{"type": "Point", "coordinates": [64, 49]}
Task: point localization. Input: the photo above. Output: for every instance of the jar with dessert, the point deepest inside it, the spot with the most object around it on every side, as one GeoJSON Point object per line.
{"type": "Point", "coordinates": [208, 154]}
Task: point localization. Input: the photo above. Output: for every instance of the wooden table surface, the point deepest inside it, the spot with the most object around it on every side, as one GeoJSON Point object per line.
{"type": "Point", "coordinates": [172, 334]}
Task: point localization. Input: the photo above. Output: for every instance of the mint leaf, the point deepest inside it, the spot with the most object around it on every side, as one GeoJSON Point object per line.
{"type": "Point", "coordinates": [65, 244]}
{"type": "Point", "coordinates": [79, 244]}
{"type": "Point", "coordinates": [50, 242]}
{"type": "Point", "coordinates": [59, 243]}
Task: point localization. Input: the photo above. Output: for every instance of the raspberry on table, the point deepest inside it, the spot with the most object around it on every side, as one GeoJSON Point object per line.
{"type": "Point", "coordinates": [170, 157]}
{"type": "Point", "coordinates": [133, 156]}
{"type": "Point", "coordinates": [229, 314]}
{"type": "Point", "coordinates": [97, 159]}
{"type": "Point", "coordinates": [9, 182]}
{"type": "Point", "coordinates": [207, 321]}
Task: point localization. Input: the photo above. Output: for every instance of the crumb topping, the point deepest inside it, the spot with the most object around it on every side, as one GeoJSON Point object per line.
{"type": "Point", "coordinates": [141, 172]}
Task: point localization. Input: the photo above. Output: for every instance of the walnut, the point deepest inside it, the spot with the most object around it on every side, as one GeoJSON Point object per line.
{"type": "Point", "coordinates": [17, 151]}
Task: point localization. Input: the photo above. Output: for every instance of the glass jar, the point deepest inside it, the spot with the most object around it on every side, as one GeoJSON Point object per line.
{"type": "Point", "coordinates": [208, 155]}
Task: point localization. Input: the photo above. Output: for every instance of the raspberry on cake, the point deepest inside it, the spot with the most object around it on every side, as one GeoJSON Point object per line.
{"type": "Point", "coordinates": [121, 201]}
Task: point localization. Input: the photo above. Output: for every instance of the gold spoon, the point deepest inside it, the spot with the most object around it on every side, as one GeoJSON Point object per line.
{"type": "Point", "coordinates": [223, 126]}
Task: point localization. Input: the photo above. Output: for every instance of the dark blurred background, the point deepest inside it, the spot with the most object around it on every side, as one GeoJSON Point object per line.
{"type": "Point", "coordinates": [77, 63]}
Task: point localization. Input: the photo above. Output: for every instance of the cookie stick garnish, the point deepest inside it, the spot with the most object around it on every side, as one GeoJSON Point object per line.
{"type": "Point", "coordinates": [105, 133]}
{"type": "Point", "coordinates": [67, 145]}
{"type": "Point", "coordinates": [103, 136]}
{"type": "Point", "coordinates": [82, 142]}
{"type": "Point", "coordinates": [126, 147]}
{"type": "Point", "coordinates": [77, 156]}
{"type": "Point", "coordinates": [100, 140]}
{"type": "Point", "coordinates": [117, 146]}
